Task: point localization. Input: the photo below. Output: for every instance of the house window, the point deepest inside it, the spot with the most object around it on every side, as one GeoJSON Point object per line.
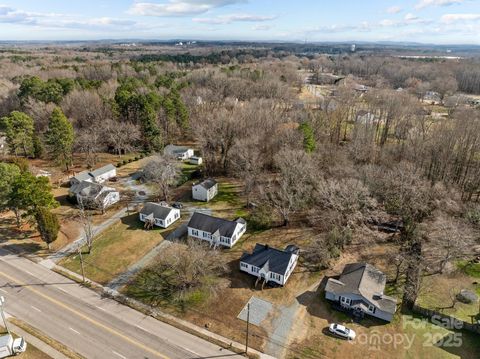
{"type": "Point", "coordinates": [205, 235]}
{"type": "Point", "coordinates": [345, 300]}
{"type": "Point", "coordinates": [255, 269]}
{"type": "Point", "coordinates": [244, 265]}
{"type": "Point", "coordinates": [371, 308]}
{"type": "Point", "coordinates": [194, 232]}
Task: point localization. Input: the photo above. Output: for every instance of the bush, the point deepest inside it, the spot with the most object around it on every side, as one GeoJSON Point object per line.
{"type": "Point", "coordinates": [261, 218]}
{"type": "Point", "coordinates": [119, 164]}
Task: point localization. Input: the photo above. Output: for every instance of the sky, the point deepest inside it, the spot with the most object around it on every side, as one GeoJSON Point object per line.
{"type": "Point", "coordinates": [424, 21]}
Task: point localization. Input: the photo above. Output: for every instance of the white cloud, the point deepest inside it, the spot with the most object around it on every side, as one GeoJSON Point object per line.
{"type": "Point", "coordinates": [450, 18]}
{"type": "Point", "coordinates": [408, 20]}
{"type": "Point", "coordinates": [227, 19]}
{"type": "Point", "coordinates": [52, 20]}
{"type": "Point", "coordinates": [394, 9]}
{"type": "Point", "coordinates": [179, 7]}
{"type": "Point", "coordinates": [410, 17]}
{"type": "Point", "coordinates": [426, 3]}
{"type": "Point", "coordinates": [261, 27]}
{"type": "Point", "coordinates": [362, 27]}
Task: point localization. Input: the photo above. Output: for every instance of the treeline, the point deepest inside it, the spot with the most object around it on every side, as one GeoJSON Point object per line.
{"type": "Point", "coordinates": [442, 76]}
{"type": "Point", "coordinates": [213, 58]}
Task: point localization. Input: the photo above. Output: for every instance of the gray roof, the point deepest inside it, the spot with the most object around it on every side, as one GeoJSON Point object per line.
{"type": "Point", "coordinates": [102, 170]}
{"type": "Point", "coordinates": [174, 149]}
{"type": "Point", "coordinates": [365, 280]}
{"type": "Point", "coordinates": [206, 223]}
{"type": "Point", "coordinates": [87, 189]}
{"type": "Point", "coordinates": [271, 259]}
{"type": "Point", "coordinates": [207, 184]}
{"type": "Point", "coordinates": [83, 176]}
{"type": "Point", "coordinates": [159, 211]}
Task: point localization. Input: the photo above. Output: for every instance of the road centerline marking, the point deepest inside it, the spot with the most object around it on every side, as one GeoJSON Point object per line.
{"type": "Point", "coordinates": [118, 354]}
{"type": "Point", "coordinates": [85, 317]}
{"type": "Point", "coordinates": [73, 330]}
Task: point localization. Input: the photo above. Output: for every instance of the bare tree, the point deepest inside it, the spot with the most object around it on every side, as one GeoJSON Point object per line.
{"type": "Point", "coordinates": [179, 271]}
{"type": "Point", "coordinates": [164, 171]}
{"type": "Point", "coordinates": [292, 188]}
{"type": "Point", "coordinates": [87, 223]}
{"type": "Point", "coordinates": [122, 137]}
{"type": "Point", "coordinates": [91, 141]}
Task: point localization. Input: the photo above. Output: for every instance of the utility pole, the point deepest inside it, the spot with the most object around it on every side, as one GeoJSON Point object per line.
{"type": "Point", "coordinates": [248, 322]}
{"type": "Point", "coordinates": [81, 263]}
{"type": "Point", "coordinates": [2, 302]}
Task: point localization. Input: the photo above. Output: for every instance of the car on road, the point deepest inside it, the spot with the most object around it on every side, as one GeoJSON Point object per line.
{"type": "Point", "coordinates": [342, 331]}
{"type": "Point", "coordinates": [177, 205]}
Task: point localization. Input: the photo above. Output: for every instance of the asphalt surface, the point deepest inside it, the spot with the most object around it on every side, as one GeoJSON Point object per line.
{"type": "Point", "coordinates": [93, 326]}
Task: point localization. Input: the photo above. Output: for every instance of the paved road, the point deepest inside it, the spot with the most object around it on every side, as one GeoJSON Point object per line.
{"type": "Point", "coordinates": [92, 326]}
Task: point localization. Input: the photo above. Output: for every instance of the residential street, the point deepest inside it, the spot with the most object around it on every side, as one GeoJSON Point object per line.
{"type": "Point", "coordinates": [88, 324]}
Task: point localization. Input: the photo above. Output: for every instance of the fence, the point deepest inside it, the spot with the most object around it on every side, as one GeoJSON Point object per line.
{"type": "Point", "coordinates": [471, 327]}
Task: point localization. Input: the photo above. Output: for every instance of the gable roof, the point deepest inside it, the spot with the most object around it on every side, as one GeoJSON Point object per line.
{"type": "Point", "coordinates": [102, 170]}
{"type": "Point", "coordinates": [206, 223]}
{"type": "Point", "coordinates": [174, 149]}
{"type": "Point", "coordinates": [83, 176]}
{"type": "Point", "coordinates": [158, 210]}
{"type": "Point", "coordinates": [89, 189]}
{"type": "Point", "coordinates": [270, 259]}
{"type": "Point", "coordinates": [365, 280]}
{"type": "Point", "coordinates": [207, 184]}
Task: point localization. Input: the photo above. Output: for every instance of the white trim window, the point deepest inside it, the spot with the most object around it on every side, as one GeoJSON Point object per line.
{"type": "Point", "coordinates": [244, 265]}
{"type": "Point", "coordinates": [345, 300]}
{"type": "Point", "coordinates": [194, 232]}
{"type": "Point", "coordinates": [371, 308]}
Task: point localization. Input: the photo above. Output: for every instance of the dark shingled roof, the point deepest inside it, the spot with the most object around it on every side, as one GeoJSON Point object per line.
{"type": "Point", "coordinates": [206, 223]}
{"type": "Point", "coordinates": [272, 259]}
{"type": "Point", "coordinates": [365, 280]}
{"type": "Point", "coordinates": [207, 184]}
{"type": "Point", "coordinates": [159, 211]}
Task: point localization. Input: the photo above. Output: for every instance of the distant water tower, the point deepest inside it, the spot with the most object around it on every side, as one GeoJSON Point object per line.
{"type": "Point", "coordinates": [353, 48]}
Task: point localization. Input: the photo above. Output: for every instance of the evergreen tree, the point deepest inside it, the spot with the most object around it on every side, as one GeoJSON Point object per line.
{"type": "Point", "coordinates": [19, 130]}
{"type": "Point", "coordinates": [48, 225]}
{"type": "Point", "coordinates": [59, 138]}
{"type": "Point", "coordinates": [308, 137]}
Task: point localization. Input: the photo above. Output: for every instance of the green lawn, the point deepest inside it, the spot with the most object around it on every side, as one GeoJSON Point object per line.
{"type": "Point", "coordinates": [470, 268]}
{"type": "Point", "coordinates": [116, 249]}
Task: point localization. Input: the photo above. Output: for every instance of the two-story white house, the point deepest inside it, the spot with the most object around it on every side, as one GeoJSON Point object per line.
{"type": "Point", "coordinates": [270, 264]}
{"type": "Point", "coordinates": [98, 175]}
{"type": "Point", "coordinates": [217, 231]}
{"type": "Point", "coordinates": [205, 190]}
{"type": "Point", "coordinates": [179, 152]}
{"type": "Point", "coordinates": [360, 287]}
{"type": "Point", "coordinates": [94, 195]}
{"type": "Point", "coordinates": [159, 214]}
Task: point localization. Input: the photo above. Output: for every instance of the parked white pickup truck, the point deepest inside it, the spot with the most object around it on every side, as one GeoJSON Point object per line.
{"type": "Point", "coordinates": [10, 347]}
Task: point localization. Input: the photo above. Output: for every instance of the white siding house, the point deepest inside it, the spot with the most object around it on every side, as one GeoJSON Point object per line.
{"type": "Point", "coordinates": [179, 152]}
{"type": "Point", "coordinates": [195, 160]}
{"type": "Point", "coordinates": [94, 195]}
{"type": "Point", "coordinates": [104, 173]}
{"type": "Point", "coordinates": [270, 264]}
{"type": "Point", "coordinates": [360, 287]}
{"type": "Point", "coordinates": [216, 231]}
{"type": "Point", "coordinates": [205, 191]}
{"type": "Point", "coordinates": [159, 214]}
{"type": "Point", "coordinates": [99, 175]}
